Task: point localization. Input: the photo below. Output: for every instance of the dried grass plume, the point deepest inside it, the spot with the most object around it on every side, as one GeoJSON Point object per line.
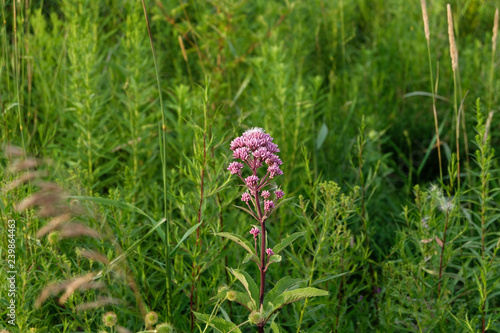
{"type": "Point", "coordinates": [426, 20]}
{"type": "Point", "coordinates": [453, 45]}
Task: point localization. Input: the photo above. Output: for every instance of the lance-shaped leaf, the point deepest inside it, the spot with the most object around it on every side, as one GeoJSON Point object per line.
{"type": "Point", "coordinates": [281, 286]}
{"type": "Point", "coordinates": [287, 241]}
{"type": "Point", "coordinates": [247, 282]}
{"type": "Point", "coordinates": [272, 259]}
{"type": "Point", "coordinates": [248, 211]}
{"type": "Point", "coordinates": [273, 327]}
{"type": "Point", "coordinates": [219, 324]}
{"type": "Point", "coordinates": [281, 203]}
{"type": "Point", "coordinates": [296, 295]}
{"type": "Point", "coordinates": [275, 258]}
{"type": "Point", "coordinates": [186, 235]}
{"type": "Point", "coordinates": [238, 240]}
{"type": "Point", "coordinates": [248, 257]}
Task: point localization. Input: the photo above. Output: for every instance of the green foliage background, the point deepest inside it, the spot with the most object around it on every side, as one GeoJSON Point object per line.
{"type": "Point", "coordinates": [78, 86]}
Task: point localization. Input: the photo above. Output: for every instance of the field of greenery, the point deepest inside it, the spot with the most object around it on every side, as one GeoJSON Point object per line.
{"type": "Point", "coordinates": [124, 207]}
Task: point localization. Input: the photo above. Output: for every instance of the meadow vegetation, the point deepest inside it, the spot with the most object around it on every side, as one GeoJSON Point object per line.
{"type": "Point", "coordinates": [386, 120]}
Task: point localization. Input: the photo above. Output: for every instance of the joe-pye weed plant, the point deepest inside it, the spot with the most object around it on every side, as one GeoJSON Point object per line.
{"type": "Point", "coordinates": [256, 149]}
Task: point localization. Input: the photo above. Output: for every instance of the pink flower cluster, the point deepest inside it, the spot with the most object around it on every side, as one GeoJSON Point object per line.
{"type": "Point", "coordinates": [255, 231]}
{"type": "Point", "coordinates": [254, 149]}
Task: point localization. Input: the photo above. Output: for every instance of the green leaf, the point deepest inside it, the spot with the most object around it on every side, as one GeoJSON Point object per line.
{"type": "Point", "coordinates": [221, 325]}
{"type": "Point", "coordinates": [329, 277]}
{"type": "Point", "coordinates": [281, 203]}
{"type": "Point", "coordinates": [246, 210]}
{"type": "Point", "coordinates": [283, 285]}
{"type": "Point", "coordinates": [275, 258]}
{"type": "Point", "coordinates": [247, 282]}
{"type": "Point", "coordinates": [296, 295]}
{"type": "Point", "coordinates": [186, 235]}
{"type": "Point", "coordinates": [287, 241]}
{"type": "Point", "coordinates": [249, 257]}
{"type": "Point", "coordinates": [237, 239]}
{"type": "Point", "coordinates": [246, 301]}
{"type": "Point", "coordinates": [272, 327]}
{"type": "Point", "coordinates": [323, 132]}
{"type": "Point", "coordinates": [243, 86]}
{"type": "Point", "coordinates": [275, 328]}
{"type": "Point", "coordinates": [220, 188]}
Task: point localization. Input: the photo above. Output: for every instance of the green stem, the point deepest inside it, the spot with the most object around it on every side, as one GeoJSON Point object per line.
{"type": "Point", "coordinates": [163, 152]}
{"type": "Point", "coordinates": [438, 141]}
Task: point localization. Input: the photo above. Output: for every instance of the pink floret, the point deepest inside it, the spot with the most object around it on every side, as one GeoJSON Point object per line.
{"type": "Point", "coordinates": [255, 232]}
{"type": "Point", "coordinates": [274, 170]}
{"type": "Point", "coordinates": [246, 197]}
{"type": "Point", "coordinates": [241, 153]}
{"type": "Point", "coordinates": [235, 168]}
{"type": "Point", "coordinates": [261, 153]}
{"type": "Point", "coordinates": [268, 205]}
{"type": "Point", "coordinates": [251, 181]}
{"type": "Point", "coordinates": [273, 160]}
{"type": "Point", "coordinates": [237, 143]}
{"type": "Point", "coordinates": [279, 194]}
{"type": "Point", "coordinates": [272, 147]}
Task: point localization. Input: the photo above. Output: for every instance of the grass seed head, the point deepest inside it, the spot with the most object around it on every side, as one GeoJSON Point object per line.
{"type": "Point", "coordinates": [101, 301]}
{"type": "Point", "coordinates": [54, 224]}
{"type": "Point", "coordinates": [22, 165]}
{"type": "Point", "coordinates": [95, 255]}
{"type": "Point", "coordinates": [426, 20]}
{"type": "Point", "coordinates": [72, 230]}
{"type": "Point", "coordinates": [13, 151]}
{"type": "Point", "coordinates": [26, 177]}
{"type": "Point", "coordinates": [451, 36]}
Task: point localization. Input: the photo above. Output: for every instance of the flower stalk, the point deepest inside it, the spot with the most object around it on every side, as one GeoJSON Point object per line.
{"type": "Point", "coordinates": [256, 149]}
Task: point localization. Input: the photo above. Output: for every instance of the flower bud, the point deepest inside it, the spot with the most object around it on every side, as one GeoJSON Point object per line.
{"type": "Point", "coordinates": [255, 231]}
{"type": "Point", "coordinates": [256, 318]}
{"type": "Point", "coordinates": [165, 328]}
{"type": "Point", "coordinates": [151, 318]}
{"type": "Point", "coordinates": [109, 319]}
{"type": "Point", "coordinates": [268, 205]}
{"type": "Point", "coordinates": [246, 197]}
{"type": "Point", "coordinates": [231, 295]}
{"type": "Point", "coordinates": [222, 289]}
